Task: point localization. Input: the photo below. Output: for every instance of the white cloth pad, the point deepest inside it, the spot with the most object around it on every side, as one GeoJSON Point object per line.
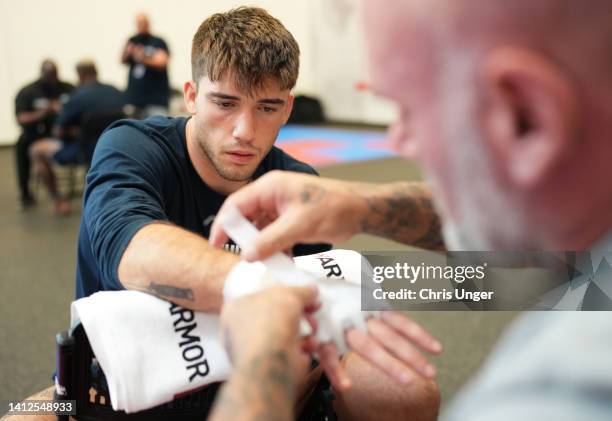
{"type": "Point", "coordinates": [151, 350]}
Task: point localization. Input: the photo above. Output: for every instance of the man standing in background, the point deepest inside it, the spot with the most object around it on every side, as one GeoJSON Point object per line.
{"type": "Point", "coordinates": [36, 107]}
{"type": "Point", "coordinates": [147, 55]}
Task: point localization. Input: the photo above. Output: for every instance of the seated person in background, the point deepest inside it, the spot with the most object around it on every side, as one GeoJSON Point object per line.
{"type": "Point", "coordinates": [91, 98]}
{"type": "Point", "coordinates": [36, 107]}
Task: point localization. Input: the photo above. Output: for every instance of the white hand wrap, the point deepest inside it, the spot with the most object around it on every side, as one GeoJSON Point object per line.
{"type": "Point", "coordinates": [337, 274]}
{"type": "Point", "coordinates": [246, 278]}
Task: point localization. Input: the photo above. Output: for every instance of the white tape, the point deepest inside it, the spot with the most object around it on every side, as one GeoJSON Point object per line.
{"type": "Point", "coordinates": [340, 300]}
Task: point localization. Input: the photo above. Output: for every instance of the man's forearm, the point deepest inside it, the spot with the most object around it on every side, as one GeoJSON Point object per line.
{"type": "Point", "coordinates": [402, 212]}
{"type": "Point", "coordinates": [28, 117]}
{"type": "Point", "coordinates": [177, 265]}
{"type": "Point", "coordinates": [158, 61]}
{"type": "Point", "coordinates": [260, 388]}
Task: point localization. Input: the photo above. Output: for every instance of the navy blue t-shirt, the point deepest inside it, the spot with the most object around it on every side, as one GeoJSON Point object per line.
{"type": "Point", "coordinates": [141, 172]}
{"type": "Point", "coordinates": [89, 98]}
{"type": "Point", "coordinates": [148, 85]}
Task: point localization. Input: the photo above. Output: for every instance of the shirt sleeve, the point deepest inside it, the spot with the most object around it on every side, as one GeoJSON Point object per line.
{"type": "Point", "coordinates": [161, 44]}
{"type": "Point", "coordinates": [124, 193]}
{"type": "Point", "coordinates": [548, 366]}
{"type": "Point", "coordinates": [23, 102]}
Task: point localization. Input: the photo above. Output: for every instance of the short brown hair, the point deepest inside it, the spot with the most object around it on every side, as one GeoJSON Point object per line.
{"type": "Point", "coordinates": [248, 43]}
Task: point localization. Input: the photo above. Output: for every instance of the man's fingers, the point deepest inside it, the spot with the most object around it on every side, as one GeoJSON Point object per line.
{"type": "Point", "coordinates": [400, 347]}
{"type": "Point", "coordinates": [308, 296]}
{"type": "Point", "coordinates": [412, 330]}
{"type": "Point", "coordinates": [369, 349]}
{"type": "Point", "coordinates": [218, 238]}
{"type": "Point", "coordinates": [312, 320]}
{"type": "Point", "coordinates": [330, 362]}
{"type": "Point", "coordinates": [248, 200]}
{"type": "Point", "coordinates": [281, 234]}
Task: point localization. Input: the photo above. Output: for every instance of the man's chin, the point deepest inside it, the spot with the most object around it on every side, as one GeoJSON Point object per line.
{"type": "Point", "coordinates": [236, 174]}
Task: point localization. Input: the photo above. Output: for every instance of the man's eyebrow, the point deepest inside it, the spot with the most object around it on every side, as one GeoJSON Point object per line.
{"type": "Point", "coordinates": [272, 101]}
{"type": "Point", "coordinates": [222, 96]}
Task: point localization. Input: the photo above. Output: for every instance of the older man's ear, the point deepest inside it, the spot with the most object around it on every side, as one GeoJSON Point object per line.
{"type": "Point", "coordinates": [530, 114]}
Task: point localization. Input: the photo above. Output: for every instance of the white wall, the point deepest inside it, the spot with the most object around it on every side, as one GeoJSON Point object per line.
{"type": "Point", "coordinates": [68, 30]}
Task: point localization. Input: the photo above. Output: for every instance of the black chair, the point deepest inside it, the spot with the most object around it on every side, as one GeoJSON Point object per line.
{"type": "Point", "coordinates": [80, 378]}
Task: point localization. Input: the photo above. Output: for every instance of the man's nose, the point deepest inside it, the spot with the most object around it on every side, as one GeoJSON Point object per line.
{"type": "Point", "coordinates": [244, 129]}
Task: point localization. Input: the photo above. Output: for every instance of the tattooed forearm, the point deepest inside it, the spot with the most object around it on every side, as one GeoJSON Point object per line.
{"type": "Point", "coordinates": [261, 388]}
{"type": "Point", "coordinates": [403, 212]}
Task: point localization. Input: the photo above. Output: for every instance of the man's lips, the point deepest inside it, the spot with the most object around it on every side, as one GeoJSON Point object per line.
{"type": "Point", "coordinates": [240, 157]}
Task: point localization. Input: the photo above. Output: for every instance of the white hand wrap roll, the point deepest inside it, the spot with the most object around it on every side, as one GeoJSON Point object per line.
{"type": "Point", "coordinates": [246, 278]}
{"type": "Point", "coordinates": [340, 292]}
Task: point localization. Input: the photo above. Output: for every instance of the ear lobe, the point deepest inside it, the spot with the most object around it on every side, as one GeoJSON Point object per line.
{"type": "Point", "coordinates": [190, 93]}
{"type": "Point", "coordinates": [531, 113]}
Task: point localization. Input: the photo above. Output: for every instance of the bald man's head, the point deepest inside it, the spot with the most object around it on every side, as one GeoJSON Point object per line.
{"type": "Point", "coordinates": [142, 23]}
{"type": "Point", "coordinates": [508, 105]}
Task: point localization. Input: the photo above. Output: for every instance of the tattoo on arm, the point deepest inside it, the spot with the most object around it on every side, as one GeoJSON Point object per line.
{"type": "Point", "coordinates": [262, 389]}
{"type": "Point", "coordinates": [311, 193]}
{"type": "Point", "coordinates": [170, 291]}
{"type": "Point", "coordinates": [406, 215]}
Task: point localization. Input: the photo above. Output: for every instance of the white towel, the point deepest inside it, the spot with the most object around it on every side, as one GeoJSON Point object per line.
{"type": "Point", "coordinates": [151, 350]}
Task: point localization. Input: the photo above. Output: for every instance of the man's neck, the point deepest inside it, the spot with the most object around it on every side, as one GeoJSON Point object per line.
{"type": "Point", "coordinates": [203, 166]}
{"type": "Point", "coordinates": [88, 81]}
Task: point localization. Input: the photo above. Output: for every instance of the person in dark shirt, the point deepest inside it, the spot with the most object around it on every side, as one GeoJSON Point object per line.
{"type": "Point", "coordinates": [155, 186]}
{"type": "Point", "coordinates": [89, 99]}
{"type": "Point", "coordinates": [36, 107]}
{"type": "Point", "coordinates": [148, 88]}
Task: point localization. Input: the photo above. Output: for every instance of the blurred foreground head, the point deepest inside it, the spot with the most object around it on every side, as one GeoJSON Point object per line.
{"type": "Point", "coordinates": [508, 106]}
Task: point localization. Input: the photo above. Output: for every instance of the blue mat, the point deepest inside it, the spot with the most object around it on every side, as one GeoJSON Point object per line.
{"type": "Point", "coordinates": [324, 146]}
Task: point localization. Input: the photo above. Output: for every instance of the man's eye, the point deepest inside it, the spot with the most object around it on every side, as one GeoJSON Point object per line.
{"type": "Point", "coordinates": [268, 109]}
{"type": "Point", "coordinates": [225, 104]}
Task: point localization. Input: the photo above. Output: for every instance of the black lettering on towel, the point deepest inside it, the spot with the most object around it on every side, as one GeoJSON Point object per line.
{"type": "Point", "coordinates": [333, 269]}
{"type": "Point", "coordinates": [190, 344]}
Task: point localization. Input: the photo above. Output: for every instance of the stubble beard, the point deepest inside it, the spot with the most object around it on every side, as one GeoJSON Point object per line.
{"type": "Point", "coordinates": [484, 217]}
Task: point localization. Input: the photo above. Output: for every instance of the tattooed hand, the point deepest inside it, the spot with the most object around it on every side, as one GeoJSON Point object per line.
{"type": "Point", "coordinates": [261, 333]}
{"type": "Point", "coordinates": [265, 320]}
{"type": "Point", "coordinates": [309, 209]}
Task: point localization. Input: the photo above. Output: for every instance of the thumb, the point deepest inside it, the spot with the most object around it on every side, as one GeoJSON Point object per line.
{"type": "Point", "coordinates": [281, 234]}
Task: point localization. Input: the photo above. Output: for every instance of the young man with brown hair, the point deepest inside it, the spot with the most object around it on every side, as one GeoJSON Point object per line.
{"type": "Point", "coordinates": [155, 187]}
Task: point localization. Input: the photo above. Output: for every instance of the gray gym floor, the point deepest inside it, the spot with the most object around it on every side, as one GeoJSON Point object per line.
{"type": "Point", "coordinates": [37, 261]}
